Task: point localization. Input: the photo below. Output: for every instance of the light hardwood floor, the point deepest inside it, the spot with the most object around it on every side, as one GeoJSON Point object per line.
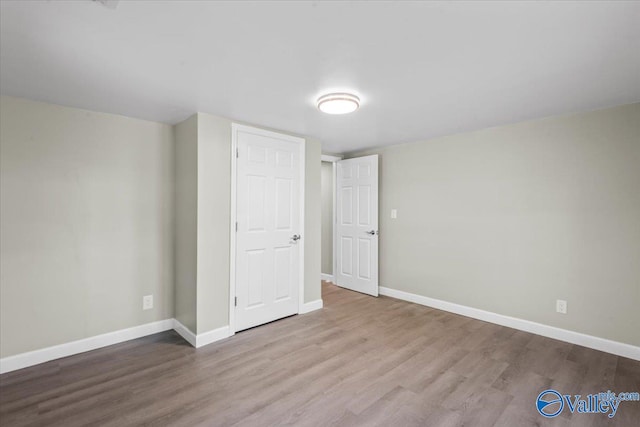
{"type": "Point", "coordinates": [359, 361]}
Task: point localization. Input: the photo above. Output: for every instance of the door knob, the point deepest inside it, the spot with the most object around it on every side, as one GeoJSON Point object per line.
{"type": "Point", "coordinates": [296, 237]}
{"type": "Point", "coordinates": [372, 232]}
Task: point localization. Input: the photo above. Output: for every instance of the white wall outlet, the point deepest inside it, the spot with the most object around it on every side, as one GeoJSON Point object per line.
{"type": "Point", "coordinates": [147, 302]}
{"type": "Point", "coordinates": [561, 306]}
{"type": "Point", "coordinates": [394, 213]}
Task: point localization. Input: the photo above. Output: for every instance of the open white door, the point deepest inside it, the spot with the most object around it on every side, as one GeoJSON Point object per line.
{"type": "Point", "coordinates": [269, 212]}
{"type": "Point", "coordinates": [357, 224]}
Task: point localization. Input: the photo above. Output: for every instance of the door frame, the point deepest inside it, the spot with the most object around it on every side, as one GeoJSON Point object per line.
{"type": "Point", "coordinates": [334, 262]}
{"type": "Point", "coordinates": [235, 127]}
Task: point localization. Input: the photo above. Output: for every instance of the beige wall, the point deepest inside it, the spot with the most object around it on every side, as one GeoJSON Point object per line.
{"type": "Point", "coordinates": [327, 217]}
{"type": "Point", "coordinates": [89, 224]}
{"type": "Point", "coordinates": [86, 219]}
{"type": "Point", "coordinates": [203, 195]}
{"type": "Point", "coordinates": [214, 208]}
{"type": "Point", "coordinates": [311, 237]}
{"type": "Point", "coordinates": [510, 219]}
{"type": "Point", "coordinates": [186, 221]}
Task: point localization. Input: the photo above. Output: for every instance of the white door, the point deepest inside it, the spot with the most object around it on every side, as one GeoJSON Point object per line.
{"type": "Point", "coordinates": [268, 214]}
{"type": "Point", "coordinates": [357, 224]}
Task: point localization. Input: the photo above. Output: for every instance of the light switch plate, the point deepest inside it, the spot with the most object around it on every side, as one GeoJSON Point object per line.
{"type": "Point", "coordinates": [394, 213]}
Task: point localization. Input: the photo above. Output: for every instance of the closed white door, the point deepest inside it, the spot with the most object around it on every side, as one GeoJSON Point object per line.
{"type": "Point", "coordinates": [268, 236]}
{"type": "Point", "coordinates": [357, 224]}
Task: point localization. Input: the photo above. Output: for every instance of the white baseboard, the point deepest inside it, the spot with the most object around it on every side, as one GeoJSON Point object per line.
{"type": "Point", "coordinates": [200, 340]}
{"type": "Point", "coordinates": [212, 336]}
{"type": "Point", "coordinates": [327, 277]}
{"type": "Point", "coordinates": [185, 333]}
{"type": "Point", "coordinates": [308, 307]}
{"type": "Point", "coordinates": [23, 360]}
{"type": "Point", "coordinates": [602, 344]}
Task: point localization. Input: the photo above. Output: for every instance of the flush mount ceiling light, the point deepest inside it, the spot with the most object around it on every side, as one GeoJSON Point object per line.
{"type": "Point", "coordinates": [338, 103]}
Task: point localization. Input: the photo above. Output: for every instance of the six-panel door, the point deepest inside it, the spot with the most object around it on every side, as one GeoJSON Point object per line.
{"type": "Point", "coordinates": [268, 215]}
{"type": "Point", "coordinates": [357, 224]}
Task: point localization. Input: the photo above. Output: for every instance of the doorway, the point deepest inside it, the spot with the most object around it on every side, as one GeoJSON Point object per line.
{"type": "Point", "coordinates": [328, 201]}
{"type": "Point", "coordinates": [350, 223]}
{"type": "Point", "coordinates": [267, 254]}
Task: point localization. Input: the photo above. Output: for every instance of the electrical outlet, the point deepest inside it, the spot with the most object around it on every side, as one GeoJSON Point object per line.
{"type": "Point", "coordinates": [147, 302]}
{"type": "Point", "coordinates": [561, 306]}
{"type": "Point", "coordinates": [394, 213]}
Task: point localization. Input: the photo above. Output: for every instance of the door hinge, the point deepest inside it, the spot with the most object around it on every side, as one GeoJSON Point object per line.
{"type": "Point", "coordinates": [237, 153]}
{"type": "Point", "coordinates": [236, 226]}
{"type": "Point", "coordinates": [235, 301]}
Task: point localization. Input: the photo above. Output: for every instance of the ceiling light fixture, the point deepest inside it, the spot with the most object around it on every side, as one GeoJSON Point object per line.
{"type": "Point", "coordinates": [338, 103]}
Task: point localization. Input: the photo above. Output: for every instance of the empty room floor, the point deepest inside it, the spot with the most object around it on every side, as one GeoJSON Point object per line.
{"type": "Point", "coordinates": [359, 361]}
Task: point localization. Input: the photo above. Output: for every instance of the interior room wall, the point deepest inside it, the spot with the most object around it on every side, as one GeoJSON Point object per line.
{"type": "Point", "coordinates": [214, 209]}
{"type": "Point", "coordinates": [89, 224]}
{"type": "Point", "coordinates": [312, 221]}
{"type": "Point", "coordinates": [327, 217]}
{"type": "Point", "coordinates": [86, 223]}
{"type": "Point", "coordinates": [509, 219]}
{"type": "Point", "coordinates": [186, 221]}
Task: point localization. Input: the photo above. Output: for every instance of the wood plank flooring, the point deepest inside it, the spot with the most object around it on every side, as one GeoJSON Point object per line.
{"type": "Point", "coordinates": [359, 361]}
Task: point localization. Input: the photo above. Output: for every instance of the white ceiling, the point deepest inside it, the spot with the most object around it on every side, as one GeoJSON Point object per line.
{"type": "Point", "coordinates": [421, 69]}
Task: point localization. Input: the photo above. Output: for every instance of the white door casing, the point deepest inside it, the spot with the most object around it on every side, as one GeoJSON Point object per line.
{"type": "Point", "coordinates": [267, 264]}
{"type": "Point", "coordinates": [357, 224]}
